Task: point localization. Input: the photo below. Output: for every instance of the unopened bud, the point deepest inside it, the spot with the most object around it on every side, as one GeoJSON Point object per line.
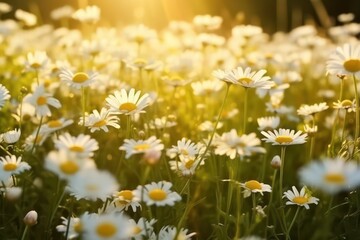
{"type": "Point", "coordinates": [13, 193]}
{"type": "Point", "coordinates": [152, 156]}
{"type": "Point", "coordinates": [141, 134]}
{"type": "Point", "coordinates": [31, 218]}
{"type": "Point", "coordinates": [276, 162]}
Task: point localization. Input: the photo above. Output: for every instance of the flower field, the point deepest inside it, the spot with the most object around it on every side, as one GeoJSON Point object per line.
{"type": "Point", "coordinates": [194, 131]}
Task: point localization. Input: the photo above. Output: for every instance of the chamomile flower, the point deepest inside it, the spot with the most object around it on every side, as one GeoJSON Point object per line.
{"type": "Point", "coordinates": [77, 80]}
{"type": "Point", "coordinates": [207, 22]}
{"type": "Point", "coordinates": [92, 184]}
{"type": "Point", "coordinates": [250, 79]}
{"type": "Point", "coordinates": [12, 136]}
{"type": "Point", "coordinates": [163, 122]}
{"type": "Point", "coordinates": [209, 126]}
{"type": "Point", "coordinates": [27, 18]}
{"type": "Point", "coordinates": [284, 137]}
{"type": "Point", "coordinates": [4, 95]}
{"type": "Point", "coordinates": [55, 125]}
{"type": "Point", "coordinates": [207, 87]}
{"type": "Point", "coordinates": [62, 12]}
{"type": "Point", "coordinates": [306, 110]}
{"type": "Point", "coordinates": [125, 199]}
{"type": "Point", "coordinates": [100, 120]}
{"type": "Point", "coordinates": [331, 175]}
{"type": "Point", "coordinates": [223, 75]}
{"type": "Point", "coordinates": [345, 60]}
{"type": "Point", "coordinates": [142, 228]}
{"type": "Point", "coordinates": [127, 103]}
{"type": "Point", "coordinates": [11, 165]}
{"type": "Point", "coordinates": [346, 104]}
{"type": "Point", "coordinates": [186, 166]}
{"type": "Point", "coordinates": [107, 226]}
{"type": "Point", "coordinates": [185, 148]}
{"type": "Point", "coordinates": [230, 144]}
{"type": "Point", "coordinates": [132, 146]}
{"type": "Point", "coordinates": [40, 139]}
{"type": "Point", "coordinates": [303, 198]}
{"type": "Point", "coordinates": [171, 233]}
{"type": "Point", "coordinates": [75, 227]}
{"type": "Point", "coordinates": [37, 60]}
{"type": "Point", "coordinates": [158, 194]}
{"type": "Point", "coordinates": [41, 101]}
{"type": "Point", "coordinates": [268, 123]}
{"type": "Point", "coordinates": [89, 14]}
{"type": "Point", "coordinates": [82, 145]}
{"type": "Point", "coordinates": [254, 186]}
{"type": "Point", "coordinates": [139, 34]}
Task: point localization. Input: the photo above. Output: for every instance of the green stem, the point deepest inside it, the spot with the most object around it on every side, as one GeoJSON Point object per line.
{"type": "Point", "coordinates": [292, 222]}
{"type": "Point", "coordinates": [253, 218]}
{"type": "Point", "coordinates": [245, 110]}
{"type": "Point", "coordinates": [24, 233]}
{"type": "Point", "coordinates": [357, 116]}
{"type": "Point", "coordinates": [282, 157]}
{"type": "Point", "coordinates": [270, 201]}
{"type": "Point", "coordinates": [83, 105]}
{"type": "Point", "coordinates": [37, 134]}
{"type": "Point", "coordinates": [128, 126]}
{"type": "Point", "coordinates": [343, 129]}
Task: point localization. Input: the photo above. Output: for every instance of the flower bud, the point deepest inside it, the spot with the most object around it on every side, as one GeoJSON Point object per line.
{"type": "Point", "coordinates": [13, 193]}
{"type": "Point", "coordinates": [276, 162]}
{"type": "Point", "coordinates": [152, 156]}
{"type": "Point", "coordinates": [31, 218]}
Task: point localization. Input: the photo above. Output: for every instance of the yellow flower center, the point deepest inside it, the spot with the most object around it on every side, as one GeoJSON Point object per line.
{"type": "Point", "coordinates": [106, 229]}
{"type": "Point", "coordinates": [54, 124]}
{"type": "Point", "coordinates": [69, 167]}
{"type": "Point", "coordinates": [78, 227]}
{"type": "Point", "coordinates": [245, 80]}
{"type": "Point", "coordinates": [300, 200]}
{"type": "Point", "coordinates": [77, 148]}
{"type": "Point", "coordinates": [80, 77]}
{"type": "Point", "coordinates": [92, 187]}
{"type": "Point", "coordinates": [128, 107]}
{"type": "Point", "coordinates": [346, 103]}
{"type": "Point", "coordinates": [352, 65]}
{"type": "Point", "coordinates": [253, 185]}
{"type": "Point", "coordinates": [184, 152]}
{"type": "Point", "coordinates": [157, 194]}
{"type": "Point", "coordinates": [126, 195]}
{"type": "Point", "coordinates": [99, 123]}
{"type": "Point", "coordinates": [176, 78]}
{"type": "Point", "coordinates": [10, 166]}
{"type": "Point", "coordinates": [189, 164]}
{"type": "Point", "coordinates": [283, 139]}
{"type": "Point", "coordinates": [335, 178]}
{"type": "Point", "coordinates": [140, 62]}
{"type": "Point", "coordinates": [142, 147]}
{"type": "Point", "coordinates": [41, 100]}
{"type": "Point", "coordinates": [136, 230]}
{"type": "Point", "coordinates": [139, 39]}
{"type": "Point", "coordinates": [35, 65]}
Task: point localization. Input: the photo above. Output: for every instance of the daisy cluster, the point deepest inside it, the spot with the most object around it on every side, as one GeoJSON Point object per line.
{"type": "Point", "coordinates": [137, 133]}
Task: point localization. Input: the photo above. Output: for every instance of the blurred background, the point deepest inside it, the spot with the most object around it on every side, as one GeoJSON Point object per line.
{"type": "Point", "coordinates": [272, 15]}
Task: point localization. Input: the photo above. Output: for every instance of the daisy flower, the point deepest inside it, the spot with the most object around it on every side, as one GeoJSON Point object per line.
{"type": "Point", "coordinates": [207, 22]}
{"type": "Point", "coordinates": [186, 166]}
{"type": "Point", "coordinates": [41, 101]}
{"type": "Point", "coordinates": [11, 165]}
{"type": "Point", "coordinates": [12, 136]}
{"type": "Point", "coordinates": [284, 137]}
{"type": "Point", "coordinates": [184, 148]}
{"type": "Point", "coordinates": [29, 141]}
{"type": "Point", "coordinates": [27, 18]}
{"type": "Point", "coordinates": [171, 233]}
{"type": "Point", "coordinates": [139, 34]}
{"type": "Point", "coordinates": [157, 193]}
{"type": "Point", "coordinates": [125, 199]}
{"type": "Point", "coordinates": [223, 75]}
{"type": "Point", "coordinates": [132, 146]}
{"type": "Point", "coordinates": [90, 14]}
{"type": "Point", "coordinates": [82, 145]}
{"type": "Point", "coordinates": [106, 226]}
{"type": "Point", "coordinates": [163, 122]}
{"type": "Point", "coordinates": [254, 186]}
{"type": "Point", "coordinates": [92, 184]}
{"type": "Point", "coordinates": [306, 110]}
{"type": "Point", "coordinates": [75, 227]}
{"type": "Point", "coordinates": [4, 95]}
{"type": "Point", "coordinates": [77, 80]}
{"type": "Point", "coordinates": [345, 60]}
{"type": "Point", "coordinates": [301, 199]}
{"type": "Point", "coordinates": [127, 103]}
{"type": "Point", "coordinates": [100, 120]}
{"type": "Point", "coordinates": [62, 12]}
{"type": "Point", "coordinates": [230, 144]}
{"type": "Point", "coordinates": [268, 123]}
{"type": "Point", "coordinates": [142, 228]}
{"type": "Point", "coordinates": [209, 126]}
{"type": "Point", "coordinates": [55, 125]}
{"type": "Point", "coordinates": [206, 87]}
{"type": "Point", "coordinates": [331, 175]}
{"type": "Point", "coordinates": [5, 8]}
{"type": "Point", "coordinates": [249, 79]}
{"type": "Point", "coordinates": [36, 60]}
{"type": "Point", "coordinates": [346, 104]}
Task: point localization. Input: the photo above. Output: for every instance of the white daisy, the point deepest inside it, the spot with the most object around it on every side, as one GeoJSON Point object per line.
{"type": "Point", "coordinates": [346, 104]}
{"type": "Point", "coordinates": [74, 230]}
{"type": "Point", "coordinates": [268, 123]}
{"type": "Point", "coordinates": [185, 148]}
{"type": "Point", "coordinates": [142, 228]}
{"type": "Point", "coordinates": [82, 145]}
{"type": "Point", "coordinates": [4, 95]}
{"type": "Point", "coordinates": [157, 193]}
{"type": "Point", "coordinates": [36, 60]}
{"type": "Point", "coordinates": [254, 186]}
{"type": "Point", "coordinates": [171, 233]}
{"type": "Point", "coordinates": [29, 141]}
{"type": "Point", "coordinates": [301, 199]}
{"type": "Point", "coordinates": [284, 137]}
{"type": "Point", "coordinates": [306, 110]}
{"type": "Point", "coordinates": [89, 14]}
{"type": "Point", "coordinates": [100, 120]}
{"type": "Point", "coordinates": [41, 101]}
{"type": "Point", "coordinates": [27, 18]}
{"type": "Point", "coordinates": [11, 165]}
{"type": "Point", "coordinates": [331, 175]}
{"type": "Point", "coordinates": [223, 75]}
{"type": "Point", "coordinates": [127, 103]}
{"type": "Point", "coordinates": [207, 87]}
{"type": "Point", "coordinates": [186, 166]}
{"type": "Point", "coordinates": [132, 146]}
{"type": "Point", "coordinates": [163, 122]}
{"type": "Point", "coordinates": [77, 80]}
{"type": "Point", "coordinates": [125, 199]}
{"type": "Point", "coordinates": [55, 125]}
{"type": "Point", "coordinates": [92, 184]}
{"type": "Point", "coordinates": [345, 60]}
{"type": "Point", "coordinates": [12, 136]}
{"type": "Point", "coordinates": [249, 79]}
{"type": "Point", "coordinates": [207, 22]}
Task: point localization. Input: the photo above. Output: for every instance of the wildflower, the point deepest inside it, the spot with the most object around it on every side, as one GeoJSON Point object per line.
{"type": "Point", "coordinates": [306, 110]}
{"type": "Point", "coordinates": [331, 175]}
{"type": "Point", "coordinates": [208, 126]}
{"type": "Point", "coordinates": [62, 12]}
{"type": "Point", "coordinates": [55, 125]}
{"type": "Point", "coordinates": [106, 226]}
{"type": "Point", "coordinates": [75, 227]}
{"type": "Point", "coordinates": [268, 123]}
{"type": "Point", "coordinates": [127, 103]}
{"type": "Point", "coordinates": [186, 165]}
{"type": "Point", "coordinates": [90, 14]}
{"type": "Point", "coordinates": [4, 95]}
{"type": "Point", "coordinates": [82, 145]}
{"type": "Point", "coordinates": [254, 186]}
{"type": "Point", "coordinates": [77, 80]}
{"type": "Point", "coordinates": [303, 198]}
{"type": "Point", "coordinates": [185, 148]}
{"type": "Point", "coordinates": [163, 122]}
{"type": "Point", "coordinates": [142, 228]}
{"type": "Point", "coordinates": [223, 75]}
{"type": "Point", "coordinates": [230, 144]}
{"type": "Point", "coordinates": [207, 22]}
{"type": "Point", "coordinates": [206, 87]}
{"type": "Point", "coordinates": [139, 34]}
{"type": "Point", "coordinates": [11, 165]}
{"type": "Point", "coordinates": [171, 233]}
{"type": "Point", "coordinates": [92, 185]}
{"type": "Point", "coordinates": [41, 101]}
{"type": "Point", "coordinates": [141, 146]}
{"type": "Point", "coordinates": [248, 79]}
{"type": "Point", "coordinates": [5, 8]}
{"type": "Point", "coordinates": [37, 60]}
{"type": "Point", "coordinates": [246, 31]}
{"type": "Point", "coordinates": [276, 162]}
{"type": "Point", "coordinates": [27, 18]}
{"type": "Point", "coordinates": [30, 218]}
{"type": "Point", "coordinates": [100, 120]}
{"type": "Point", "coordinates": [345, 60]}
{"type": "Point", "coordinates": [284, 137]}
{"type": "Point", "coordinates": [12, 136]}
{"type": "Point", "coordinates": [157, 193]}
{"type": "Point", "coordinates": [346, 104]}
{"type": "Point", "coordinates": [310, 130]}
{"type": "Point", "coordinates": [29, 141]}
{"type": "Point", "coordinates": [125, 199]}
